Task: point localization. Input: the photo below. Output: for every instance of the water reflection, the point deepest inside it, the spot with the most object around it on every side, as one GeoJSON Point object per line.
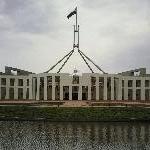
{"type": "Point", "coordinates": [74, 136]}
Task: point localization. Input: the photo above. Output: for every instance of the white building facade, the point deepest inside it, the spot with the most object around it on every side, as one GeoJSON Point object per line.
{"type": "Point", "coordinates": [63, 86]}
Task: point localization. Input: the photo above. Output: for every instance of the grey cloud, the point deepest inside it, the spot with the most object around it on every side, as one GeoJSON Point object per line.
{"type": "Point", "coordinates": [31, 16]}
{"type": "Point", "coordinates": [134, 55]}
{"type": "Point", "coordinates": [103, 4]}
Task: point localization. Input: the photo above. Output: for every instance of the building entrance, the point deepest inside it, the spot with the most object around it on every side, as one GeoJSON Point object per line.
{"type": "Point", "coordinates": [75, 90]}
{"type": "Point", "coordinates": [74, 96]}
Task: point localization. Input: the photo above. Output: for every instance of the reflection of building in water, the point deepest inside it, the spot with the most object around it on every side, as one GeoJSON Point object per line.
{"type": "Point", "coordinates": [63, 86]}
{"type": "Point", "coordinates": [43, 135]}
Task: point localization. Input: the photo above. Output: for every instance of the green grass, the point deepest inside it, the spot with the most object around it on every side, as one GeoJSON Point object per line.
{"type": "Point", "coordinates": [74, 114]}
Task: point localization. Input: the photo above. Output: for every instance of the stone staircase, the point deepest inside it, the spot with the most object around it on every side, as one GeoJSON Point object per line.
{"type": "Point", "coordinates": [77, 103]}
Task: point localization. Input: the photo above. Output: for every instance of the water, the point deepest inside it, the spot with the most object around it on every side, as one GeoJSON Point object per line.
{"type": "Point", "coordinates": [74, 136]}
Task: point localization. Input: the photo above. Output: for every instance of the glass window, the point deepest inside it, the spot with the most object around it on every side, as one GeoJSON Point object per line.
{"type": "Point", "coordinates": [138, 83]}
{"type": "Point", "coordinates": [27, 82]}
{"type": "Point", "coordinates": [146, 83]}
{"type": "Point", "coordinates": [57, 79]}
{"type": "Point", "coordinates": [3, 81]}
{"type": "Point", "coordinates": [93, 80]}
{"type": "Point", "coordinates": [20, 82]}
{"type": "Point", "coordinates": [122, 83]}
{"type": "Point", "coordinates": [75, 79]}
{"type": "Point", "coordinates": [130, 83]}
{"type": "Point", "coordinates": [12, 81]}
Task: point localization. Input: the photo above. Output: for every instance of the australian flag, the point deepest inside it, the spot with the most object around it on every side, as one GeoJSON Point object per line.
{"type": "Point", "coordinates": [72, 13]}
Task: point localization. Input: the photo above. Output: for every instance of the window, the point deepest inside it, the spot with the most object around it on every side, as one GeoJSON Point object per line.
{"type": "Point", "coordinates": [146, 83]}
{"type": "Point", "coordinates": [20, 82]}
{"type": "Point", "coordinates": [3, 81]}
{"type": "Point", "coordinates": [122, 83]}
{"type": "Point", "coordinates": [12, 81]}
{"type": "Point", "coordinates": [138, 94]}
{"type": "Point", "coordinates": [11, 93]}
{"type": "Point", "coordinates": [49, 78]}
{"type": "Point", "coordinates": [101, 81]}
{"type": "Point", "coordinates": [138, 83]}
{"type": "Point", "coordinates": [93, 80]}
{"type": "Point", "coordinates": [27, 82]}
{"type": "Point", "coordinates": [75, 79]}
{"type": "Point", "coordinates": [49, 81]}
{"type": "Point", "coordinates": [130, 83]}
{"type": "Point", "coordinates": [147, 94]}
{"type": "Point", "coordinates": [57, 79]}
{"type": "Point", "coordinates": [20, 93]}
{"type": "Point", "coordinates": [75, 88]}
{"type": "Point", "coordinates": [3, 92]}
{"type": "Point", "coordinates": [41, 81]}
{"type": "Point", "coordinates": [27, 93]}
{"type": "Point", "coordinates": [130, 93]}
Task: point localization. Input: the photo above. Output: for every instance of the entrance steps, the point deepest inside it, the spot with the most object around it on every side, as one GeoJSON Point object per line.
{"type": "Point", "coordinates": [77, 103]}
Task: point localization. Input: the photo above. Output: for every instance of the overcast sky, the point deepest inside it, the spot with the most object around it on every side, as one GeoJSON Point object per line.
{"type": "Point", "coordinates": [35, 34]}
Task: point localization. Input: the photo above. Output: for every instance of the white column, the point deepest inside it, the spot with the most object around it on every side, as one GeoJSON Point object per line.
{"type": "Point", "coordinates": [24, 88]}
{"type": "Point", "coordinates": [38, 89]}
{"type": "Point", "coordinates": [143, 89]}
{"type": "Point", "coordinates": [30, 88]}
{"type": "Point", "coordinates": [134, 89]}
{"type": "Point", "coordinates": [105, 88]}
{"type": "Point", "coordinates": [89, 92]}
{"type": "Point", "coordinates": [61, 92]}
{"type": "Point", "coordinates": [0, 89]}
{"type": "Point", "coordinates": [7, 88]}
{"type": "Point", "coordinates": [16, 89]}
{"type": "Point", "coordinates": [120, 89]}
{"type": "Point", "coordinates": [80, 93]}
{"type": "Point", "coordinates": [53, 87]}
{"type": "Point", "coordinates": [70, 92]}
{"type": "Point", "coordinates": [112, 88]}
{"type": "Point", "coordinates": [45, 88]}
{"type": "Point", "coordinates": [97, 88]}
{"type": "Point", "coordinates": [125, 89]}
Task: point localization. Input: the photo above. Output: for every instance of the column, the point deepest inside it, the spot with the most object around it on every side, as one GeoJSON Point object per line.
{"type": "Point", "coordinates": [97, 88]}
{"type": "Point", "coordinates": [61, 92]}
{"type": "Point", "coordinates": [143, 89]}
{"type": "Point", "coordinates": [134, 89]}
{"type": "Point", "coordinates": [53, 87]}
{"type": "Point", "coordinates": [70, 92]}
{"type": "Point", "coordinates": [16, 89]}
{"type": "Point", "coordinates": [30, 88]}
{"type": "Point", "coordinates": [89, 92]}
{"type": "Point", "coordinates": [38, 89]}
{"type": "Point", "coordinates": [125, 89]}
{"type": "Point", "coordinates": [112, 88]}
{"type": "Point", "coordinates": [0, 89]}
{"type": "Point", "coordinates": [7, 88]}
{"type": "Point", "coordinates": [119, 88]}
{"type": "Point", "coordinates": [45, 88]}
{"type": "Point", "coordinates": [105, 88]}
{"type": "Point", "coordinates": [32, 91]}
{"type": "Point", "coordinates": [80, 93]}
{"type": "Point", "coordinates": [24, 88]}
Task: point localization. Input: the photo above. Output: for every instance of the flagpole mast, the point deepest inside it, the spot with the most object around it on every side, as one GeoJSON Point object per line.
{"type": "Point", "coordinates": [76, 20]}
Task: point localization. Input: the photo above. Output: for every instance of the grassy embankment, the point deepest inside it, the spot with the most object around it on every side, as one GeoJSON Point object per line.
{"type": "Point", "coordinates": [73, 114]}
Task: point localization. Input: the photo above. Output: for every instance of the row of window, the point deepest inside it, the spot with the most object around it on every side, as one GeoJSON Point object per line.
{"type": "Point", "coordinates": [138, 94]}
{"type": "Point", "coordinates": [12, 81]}
{"type": "Point", "coordinates": [138, 83]}
{"type": "Point", "coordinates": [12, 93]}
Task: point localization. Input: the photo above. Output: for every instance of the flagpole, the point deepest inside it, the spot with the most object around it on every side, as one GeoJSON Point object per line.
{"type": "Point", "coordinates": [76, 20]}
